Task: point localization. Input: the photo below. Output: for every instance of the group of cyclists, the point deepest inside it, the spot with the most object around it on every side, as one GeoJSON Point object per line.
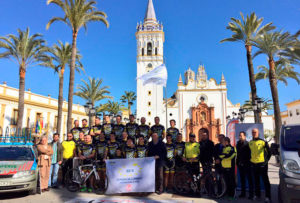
{"type": "Point", "coordinates": [118, 141]}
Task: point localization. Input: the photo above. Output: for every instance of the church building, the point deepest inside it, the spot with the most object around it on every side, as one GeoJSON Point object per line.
{"type": "Point", "coordinates": [199, 102]}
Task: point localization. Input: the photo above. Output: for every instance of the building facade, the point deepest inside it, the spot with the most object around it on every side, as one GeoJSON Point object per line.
{"type": "Point", "coordinates": [36, 107]}
{"type": "Point", "coordinates": [198, 103]}
{"type": "Point", "coordinates": [292, 115]}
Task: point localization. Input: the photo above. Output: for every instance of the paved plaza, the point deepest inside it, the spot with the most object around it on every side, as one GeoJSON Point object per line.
{"type": "Point", "coordinates": [62, 195]}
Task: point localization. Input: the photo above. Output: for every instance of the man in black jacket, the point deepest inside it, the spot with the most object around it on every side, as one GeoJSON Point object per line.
{"type": "Point", "coordinates": [206, 150]}
{"type": "Point", "coordinates": [157, 149]}
{"type": "Point", "coordinates": [243, 163]}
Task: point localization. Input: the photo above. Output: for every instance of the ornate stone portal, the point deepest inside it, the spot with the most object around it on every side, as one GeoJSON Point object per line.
{"type": "Point", "coordinates": [203, 116]}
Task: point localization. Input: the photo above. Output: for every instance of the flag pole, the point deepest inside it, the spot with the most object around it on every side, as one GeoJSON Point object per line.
{"type": "Point", "coordinates": [166, 107]}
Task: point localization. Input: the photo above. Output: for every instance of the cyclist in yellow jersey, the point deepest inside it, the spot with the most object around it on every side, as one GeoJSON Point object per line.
{"type": "Point", "coordinates": [228, 167]}
{"type": "Point", "coordinates": [260, 155]}
{"type": "Point", "coordinates": [69, 148]}
{"type": "Point", "coordinates": [191, 154]}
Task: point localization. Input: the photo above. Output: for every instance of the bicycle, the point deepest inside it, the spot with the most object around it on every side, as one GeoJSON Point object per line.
{"type": "Point", "coordinates": [76, 177]}
{"type": "Point", "coordinates": [185, 182]}
{"type": "Point", "coordinates": [212, 183]}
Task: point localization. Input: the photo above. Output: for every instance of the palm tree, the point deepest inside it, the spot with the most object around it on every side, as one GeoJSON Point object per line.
{"type": "Point", "coordinates": [129, 98]}
{"type": "Point", "coordinates": [246, 31]}
{"type": "Point", "coordinates": [27, 50]}
{"type": "Point", "coordinates": [114, 107]}
{"type": "Point", "coordinates": [273, 44]}
{"type": "Point", "coordinates": [61, 57]}
{"type": "Point", "coordinates": [77, 14]}
{"type": "Point", "coordinates": [92, 91]}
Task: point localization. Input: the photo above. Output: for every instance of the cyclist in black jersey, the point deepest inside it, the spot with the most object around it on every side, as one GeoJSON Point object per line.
{"type": "Point", "coordinates": [76, 130]}
{"type": "Point", "coordinates": [85, 127]}
{"type": "Point", "coordinates": [141, 148]}
{"type": "Point", "coordinates": [159, 129]}
{"type": "Point", "coordinates": [173, 130]}
{"type": "Point", "coordinates": [107, 127]}
{"type": "Point", "coordinates": [119, 154]}
{"type": "Point", "coordinates": [131, 128]}
{"type": "Point", "coordinates": [79, 142]}
{"type": "Point", "coordinates": [179, 150]}
{"type": "Point", "coordinates": [169, 164]}
{"type": "Point", "coordinates": [118, 128]}
{"type": "Point", "coordinates": [113, 145]}
{"type": "Point", "coordinates": [124, 140]}
{"type": "Point", "coordinates": [144, 130]}
{"type": "Point", "coordinates": [86, 154]}
{"type": "Point", "coordinates": [101, 147]}
{"type": "Point", "coordinates": [96, 130]}
{"type": "Point", "coordinates": [129, 151]}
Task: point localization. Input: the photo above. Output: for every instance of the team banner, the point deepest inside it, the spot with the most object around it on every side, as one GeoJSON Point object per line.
{"type": "Point", "coordinates": [130, 175]}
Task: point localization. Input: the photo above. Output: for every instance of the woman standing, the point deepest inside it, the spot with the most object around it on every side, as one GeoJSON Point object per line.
{"type": "Point", "coordinates": [44, 162]}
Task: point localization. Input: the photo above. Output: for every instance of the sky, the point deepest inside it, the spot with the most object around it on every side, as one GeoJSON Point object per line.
{"type": "Point", "coordinates": [193, 30]}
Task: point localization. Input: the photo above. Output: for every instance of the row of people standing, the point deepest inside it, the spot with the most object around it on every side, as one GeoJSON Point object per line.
{"type": "Point", "coordinates": [133, 129]}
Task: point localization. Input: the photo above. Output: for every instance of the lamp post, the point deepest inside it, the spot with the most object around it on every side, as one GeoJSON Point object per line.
{"type": "Point", "coordinates": [90, 111]}
{"type": "Point", "coordinates": [258, 106]}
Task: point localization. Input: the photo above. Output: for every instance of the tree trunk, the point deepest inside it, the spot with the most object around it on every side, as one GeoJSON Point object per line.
{"type": "Point", "coordinates": [252, 81]}
{"type": "Point", "coordinates": [21, 98]}
{"type": "Point", "coordinates": [71, 81]}
{"type": "Point", "coordinates": [60, 99]}
{"type": "Point", "coordinates": [129, 109]}
{"type": "Point", "coordinates": [275, 97]}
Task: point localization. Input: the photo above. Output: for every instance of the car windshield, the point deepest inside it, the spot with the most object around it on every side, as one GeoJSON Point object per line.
{"type": "Point", "coordinates": [16, 154]}
{"type": "Point", "coordinates": [291, 137]}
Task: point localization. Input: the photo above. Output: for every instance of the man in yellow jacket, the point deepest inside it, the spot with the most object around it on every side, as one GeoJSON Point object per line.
{"type": "Point", "coordinates": [260, 155]}
{"type": "Point", "coordinates": [191, 155]}
{"type": "Point", "coordinates": [228, 167]}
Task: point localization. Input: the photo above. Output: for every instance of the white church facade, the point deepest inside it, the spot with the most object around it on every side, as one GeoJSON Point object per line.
{"type": "Point", "coordinates": [198, 103]}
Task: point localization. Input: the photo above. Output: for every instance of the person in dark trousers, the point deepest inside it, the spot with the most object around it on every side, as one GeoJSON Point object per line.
{"type": "Point", "coordinates": [243, 163]}
{"type": "Point", "coordinates": [56, 161]}
{"type": "Point", "coordinates": [207, 150]}
{"type": "Point", "coordinates": [228, 156]}
{"type": "Point", "coordinates": [69, 148]}
{"type": "Point", "coordinates": [217, 151]}
{"type": "Point", "coordinates": [157, 149]}
{"type": "Point", "coordinates": [260, 156]}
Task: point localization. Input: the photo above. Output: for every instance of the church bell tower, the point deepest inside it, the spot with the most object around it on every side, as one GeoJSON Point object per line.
{"type": "Point", "coordinates": [150, 39]}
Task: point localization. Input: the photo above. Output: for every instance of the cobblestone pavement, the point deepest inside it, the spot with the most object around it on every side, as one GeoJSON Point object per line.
{"type": "Point", "coordinates": [62, 195]}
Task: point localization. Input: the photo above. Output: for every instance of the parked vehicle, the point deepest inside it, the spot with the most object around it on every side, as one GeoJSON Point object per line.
{"type": "Point", "coordinates": [289, 173]}
{"type": "Point", "coordinates": [18, 167]}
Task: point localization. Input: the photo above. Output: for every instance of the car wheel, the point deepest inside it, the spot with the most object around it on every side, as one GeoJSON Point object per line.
{"type": "Point", "coordinates": [33, 191]}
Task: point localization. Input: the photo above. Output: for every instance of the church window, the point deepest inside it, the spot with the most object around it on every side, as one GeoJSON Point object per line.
{"type": "Point", "coordinates": [291, 114]}
{"type": "Point", "coordinates": [143, 52]}
{"type": "Point", "coordinates": [149, 113]}
{"type": "Point", "coordinates": [149, 93]}
{"type": "Point", "coordinates": [149, 124]}
{"type": "Point", "coordinates": [149, 103]}
{"type": "Point", "coordinates": [149, 49]}
{"type": "Point", "coordinates": [155, 51]}
{"type": "Point", "coordinates": [297, 112]}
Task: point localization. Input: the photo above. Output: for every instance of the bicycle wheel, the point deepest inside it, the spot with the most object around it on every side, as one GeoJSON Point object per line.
{"type": "Point", "coordinates": [182, 182]}
{"type": "Point", "coordinates": [73, 180]}
{"type": "Point", "coordinates": [100, 185]}
{"type": "Point", "coordinates": [218, 186]}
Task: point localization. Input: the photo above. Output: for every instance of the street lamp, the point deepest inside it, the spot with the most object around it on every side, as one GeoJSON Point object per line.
{"type": "Point", "coordinates": [258, 106]}
{"type": "Point", "coordinates": [241, 114]}
{"type": "Point", "coordinates": [90, 111]}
